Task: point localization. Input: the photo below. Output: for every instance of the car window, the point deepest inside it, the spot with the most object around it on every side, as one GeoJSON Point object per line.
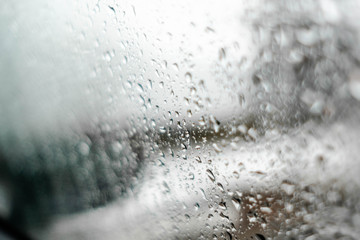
{"type": "Point", "coordinates": [179, 120]}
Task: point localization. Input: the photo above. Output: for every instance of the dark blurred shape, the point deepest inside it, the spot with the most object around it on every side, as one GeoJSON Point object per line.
{"type": "Point", "coordinates": [68, 175]}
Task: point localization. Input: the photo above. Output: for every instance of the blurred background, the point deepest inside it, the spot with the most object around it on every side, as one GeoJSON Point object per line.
{"type": "Point", "coordinates": [179, 120]}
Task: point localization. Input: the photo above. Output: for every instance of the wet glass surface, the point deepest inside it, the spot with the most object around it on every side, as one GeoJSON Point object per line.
{"type": "Point", "coordinates": [179, 120]}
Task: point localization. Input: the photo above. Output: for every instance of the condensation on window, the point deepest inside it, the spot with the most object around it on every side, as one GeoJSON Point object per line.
{"type": "Point", "coordinates": [180, 120]}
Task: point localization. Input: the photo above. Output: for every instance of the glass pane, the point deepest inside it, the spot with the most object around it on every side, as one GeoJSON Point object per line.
{"type": "Point", "coordinates": [179, 120]}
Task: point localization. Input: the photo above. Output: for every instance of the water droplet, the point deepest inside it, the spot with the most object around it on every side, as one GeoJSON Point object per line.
{"type": "Point", "coordinates": [210, 175]}
{"type": "Point", "coordinates": [197, 206]}
{"type": "Point", "coordinates": [140, 88]}
{"type": "Point", "coordinates": [224, 216]}
{"type": "Point", "coordinates": [253, 133]}
{"type": "Point", "coordinates": [354, 85]}
{"type": "Point", "coordinates": [183, 147]}
{"type": "Point", "coordinates": [134, 11]}
{"type": "Point", "coordinates": [289, 189]}
{"type": "Point", "coordinates": [187, 101]}
{"type": "Point", "coordinates": [220, 186]}
{"type": "Point", "coordinates": [153, 123]}
{"type": "Point", "coordinates": [162, 129]}
{"type": "Point", "coordinates": [189, 113]}
{"type": "Point", "coordinates": [202, 121]}
{"type": "Point", "coordinates": [116, 147]}
{"type": "Point", "coordinates": [149, 84]}
{"type": "Point", "coordinates": [214, 123]}
{"type": "Point", "coordinates": [236, 202]}
{"type": "Point", "coordinates": [307, 37]}
{"type": "Point", "coordinates": [161, 84]}
{"type": "Point", "coordinates": [266, 210]}
{"type": "Point", "coordinates": [124, 60]}
{"type": "Point", "coordinates": [188, 77]}
{"type": "Point", "coordinates": [176, 67]}
{"type": "Point", "coordinates": [83, 148]}
{"type": "Point", "coordinates": [289, 207]}
{"type": "Point", "coordinates": [192, 91]}
{"type": "Point", "coordinates": [222, 54]}
{"type": "Point", "coordinates": [222, 205]}
{"type": "Point", "coordinates": [203, 194]}
{"type": "Point", "coordinates": [209, 30]}
{"type": "Point", "coordinates": [216, 148]}
{"type": "Point", "coordinates": [107, 56]}
{"type": "Point", "coordinates": [243, 129]}
{"type": "Point", "coordinates": [166, 187]}
{"type": "Point", "coordinates": [191, 175]}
